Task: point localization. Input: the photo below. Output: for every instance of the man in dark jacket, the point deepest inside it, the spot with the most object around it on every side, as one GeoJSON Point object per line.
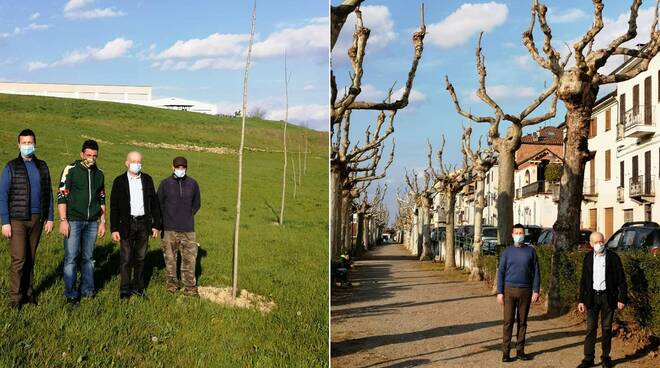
{"type": "Point", "coordinates": [26, 203]}
{"type": "Point", "coordinates": [179, 199]}
{"type": "Point", "coordinates": [603, 289]}
{"type": "Point", "coordinates": [518, 285]}
{"type": "Point", "coordinates": [81, 206]}
{"type": "Point", "coordinates": [134, 215]}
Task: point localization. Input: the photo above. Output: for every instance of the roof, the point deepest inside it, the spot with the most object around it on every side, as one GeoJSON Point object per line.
{"type": "Point", "coordinates": [549, 135]}
{"type": "Point", "coordinates": [542, 153]}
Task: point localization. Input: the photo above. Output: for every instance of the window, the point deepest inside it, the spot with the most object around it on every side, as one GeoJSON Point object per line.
{"type": "Point", "coordinates": [608, 119]}
{"type": "Point", "coordinates": [621, 174]}
{"type": "Point", "coordinates": [635, 100]}
{"type": "Point", "coordinates": [628, 215]}
{"type": "Point", "coordinates": [592, 128]}
{"type": "Point", "coordinates": [622, 108]}
{"type": "Point", "coordinates": [608, 168]}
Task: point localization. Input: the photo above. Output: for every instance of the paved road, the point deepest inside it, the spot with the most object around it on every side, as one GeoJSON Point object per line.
{"type": "Point", "coordinates": [405, 313]}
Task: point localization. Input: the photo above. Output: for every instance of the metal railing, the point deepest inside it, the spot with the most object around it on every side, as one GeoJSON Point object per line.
{"type": "Point", "coordinates": [639, 186]}
{"type": "Point", "coordinates": [636, 116]}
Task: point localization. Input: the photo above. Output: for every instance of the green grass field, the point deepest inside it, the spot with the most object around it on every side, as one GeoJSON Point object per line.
{"type": "Point", "coordinates": [287, 264]}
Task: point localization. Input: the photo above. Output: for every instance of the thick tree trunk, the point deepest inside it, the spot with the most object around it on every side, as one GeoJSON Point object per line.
{"type": "Point", "coordinates": [347, 222]}
{"type": "Point", "coordinates": [476, 273]}
{"type": "Point", "coordinates": [360, 242]}
{"type": "Point", "coordinates": [450, 262]}
{"type": "Point", "coordinates": [506, 195]}
{"type": "Point", "coordinates": [336, 211]}
{"type": "Point", "coordinates": [366, 234]}
{"type": "Point", "coordinates": [576, 154]}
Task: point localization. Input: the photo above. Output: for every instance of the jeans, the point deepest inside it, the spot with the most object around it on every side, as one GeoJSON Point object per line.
{"type": "Point", "coordinates": [82, 237]}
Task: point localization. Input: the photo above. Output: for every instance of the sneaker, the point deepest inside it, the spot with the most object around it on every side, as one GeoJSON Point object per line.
{"type": "Point", "coordinates": [607, 362]}
{"type": "Point", "coordinates": [31, 299]}
{"type": "Point", "coordinates": [124, 296]}
{"type": "Point", "coordinates": [140, 292]}
{"type": "Point", "coordinates": [72, 302]}
{"type": "Point", "coordinates": [172, 288]}
{"type": "Point", "coordinates": [520, 354]}
{"type": "Point", "coordinates": [192, 293]}
{"type": "Point", "coordinates": [506, 358]}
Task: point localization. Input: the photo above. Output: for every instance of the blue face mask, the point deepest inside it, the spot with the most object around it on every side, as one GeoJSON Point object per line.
{"type": "Point", "coordinates": [179, 173]}
{"type": "Point", "coordinates": [518, 238]}
{"type": "Point", "coordinates": [27, 150]}
{"type": "Point", "coordinates": [135, 168]}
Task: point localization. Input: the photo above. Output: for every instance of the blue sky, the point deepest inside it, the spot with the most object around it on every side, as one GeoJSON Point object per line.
{"type": "Point", "coordinates": [188, 49]}
{"type": "Point", "coordinates": [452, 29]}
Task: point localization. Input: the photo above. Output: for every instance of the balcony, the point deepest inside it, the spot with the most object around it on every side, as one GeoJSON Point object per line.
{"type": "Point", "coordinates": [620, 194]}
{"type": "Point", "coordinates": [589, 192]}
{"type": "Point", "coordinates": [638, 122]}
{"type": "Point", "coordinates": [537, 187]}
{"type": "Point", "coordinates": [641, 189]}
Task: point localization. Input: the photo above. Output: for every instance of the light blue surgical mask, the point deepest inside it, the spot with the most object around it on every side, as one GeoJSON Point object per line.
{"type": "Point", "coordinates": [134, 167]}
{"type": "Point", "coordinates": [27, 150]}
{"type": "Point", "coordinates": [179, 173]}
{"type": "Point", "coordinates": [518, 238]}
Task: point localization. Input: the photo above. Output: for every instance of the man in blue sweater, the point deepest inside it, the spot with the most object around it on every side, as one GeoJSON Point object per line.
{"type": "Point", "coordinates": [26, 208]}
{"type": "Point", "coordinates": [518, 284]}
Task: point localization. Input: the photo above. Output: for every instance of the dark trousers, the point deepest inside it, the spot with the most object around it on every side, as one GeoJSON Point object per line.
{"type": "Point", "coordinates": [606, 316]}
{"type": "Point", "coordinates": [131, 254]}
{"type": "Point", "coordinates": [25, 235]}
{"type": "Point", "coordinates": [516, 304]}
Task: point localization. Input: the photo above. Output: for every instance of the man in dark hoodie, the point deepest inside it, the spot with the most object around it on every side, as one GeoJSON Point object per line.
{"type": "Point", "coordinates": [179, 199]}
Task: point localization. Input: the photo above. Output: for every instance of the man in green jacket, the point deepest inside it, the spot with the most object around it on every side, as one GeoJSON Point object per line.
{"type": "Point", "coordinates": [81, 207]}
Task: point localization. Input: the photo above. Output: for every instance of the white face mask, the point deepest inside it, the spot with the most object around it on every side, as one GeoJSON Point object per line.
{"type": "Point", "coordinates": [135, 167]}
{"type": "Point", "coordinates": [179, 173]}
{"type": "Point", "coordinates": [599, 247]}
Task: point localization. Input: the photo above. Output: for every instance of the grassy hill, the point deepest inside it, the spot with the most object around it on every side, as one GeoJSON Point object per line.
{"type": "Point", "coordinates": [287, 264]}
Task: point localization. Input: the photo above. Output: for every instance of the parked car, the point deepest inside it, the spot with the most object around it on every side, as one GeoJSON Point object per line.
{"type": "Point", "coordinates": [489, 238]}
{"type": "Point", "coordinates": [641, 235]}
{"type": "Point", "coordinates": [532, 233]}
{"type": "Point", "coordinates": [547, 237]}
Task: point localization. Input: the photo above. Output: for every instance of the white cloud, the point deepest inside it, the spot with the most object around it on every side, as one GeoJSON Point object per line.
{"type": "Point", "coordinates": [522, 61]}
{"type": "Point", "coordinates": [500, 92]}
{"type": "Point", "coordinates": [469, 19]}
{"type": "Point", "coordinates": [227, 51]}
{"type": "Point", "coordinates": [315, 116]}
{"type": "Point", "coordinates": [567, 16]}
{"type": "Point", "coordinates": [211, 46]}
{"type": "Point", "coordinates": [34, 16]}
{"type": "Point", "coordinates": [76, 4]}
{"type": "Point", "coordinates": [21, 30]}
{"type": "Point", "coordinates": [36, 65]}
{"type": "Point", "coordinates": [375, 17]}
{"type": "Point", "coordinates": [111, 50]}
{"type": "Point", "coordinates": [310, 40]}
{"type": "Point", "coordinates": [309, 87]}
{"type": "Point", "coordinates": [78, 9]}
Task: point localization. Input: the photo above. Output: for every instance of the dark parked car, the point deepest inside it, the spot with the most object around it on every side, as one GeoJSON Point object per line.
{"type": "Point", "coordinates": [547, 237]}
{"type": "Point", "coordinates": [641, 235]}
{"type": "Point", "coordinates": [532, 233]}
{"type": "Point", "coordinates": [489, 238]}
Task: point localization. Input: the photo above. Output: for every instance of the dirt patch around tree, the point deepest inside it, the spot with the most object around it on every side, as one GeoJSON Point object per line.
{"type": "Point", "coordinates": [245, 299]}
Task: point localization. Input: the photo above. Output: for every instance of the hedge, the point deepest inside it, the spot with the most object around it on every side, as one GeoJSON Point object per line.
{"type": "Point", "coordinates": [642, 273]}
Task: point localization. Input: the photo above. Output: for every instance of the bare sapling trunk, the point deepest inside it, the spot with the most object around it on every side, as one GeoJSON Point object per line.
{"type": "Point", "coordinates": [284, 123]}
{"type": "Point", "coordinates": [240, 156]}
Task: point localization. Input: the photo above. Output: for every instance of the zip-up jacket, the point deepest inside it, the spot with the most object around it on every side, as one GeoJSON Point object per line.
{"type": "Point", "coordinates": [25, 190]}
{"type": "Point", "coordinates": [83, 191]}
{"type": "Point", "coordinates": [179, 202]}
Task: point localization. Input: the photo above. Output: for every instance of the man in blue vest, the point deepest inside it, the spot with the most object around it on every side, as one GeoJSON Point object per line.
{"type": "Point", "coordinates": [26, 208]}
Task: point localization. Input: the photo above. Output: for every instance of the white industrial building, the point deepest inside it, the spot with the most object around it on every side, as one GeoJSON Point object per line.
{"type": "Point", "coordinates": [138, 95]}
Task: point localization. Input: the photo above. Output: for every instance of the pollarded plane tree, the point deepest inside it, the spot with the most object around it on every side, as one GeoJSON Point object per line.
{"type": "Point", "coordinates": [482, 161]}
{"type": "Point", "coordinates": [352, 164]}
{"type": "Point", "coordinates": [578, 87]}
{"type": "Point", "coordinates": [380, 214]}
{"type": "Point", "coordinates": [423, 203]}
{"type": "Point", "coordinates": [448, 182]}
{"type": "Point", "coordinates": [372, 216]}
{"type": "Point", "coordinates": [507, 145]}
{"type": "Point", "coordinates": [404, 218]}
